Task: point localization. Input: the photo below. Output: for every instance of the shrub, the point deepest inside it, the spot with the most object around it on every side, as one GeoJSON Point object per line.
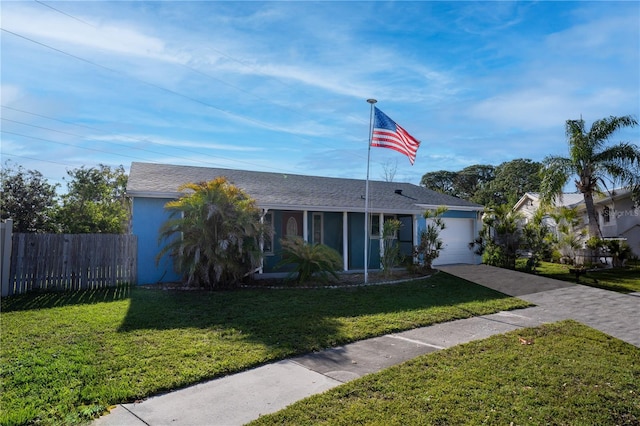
{"type": "Point", "coordinates": [213, 234]}
{"type": "Point", "coordinates": [500, 238]}
{"type": "Point", "coordinates": [309, 260]}
{"type": "Point", "coordinates": [619, 250]}
{"type": "Point", "coordinates": [430, 242]}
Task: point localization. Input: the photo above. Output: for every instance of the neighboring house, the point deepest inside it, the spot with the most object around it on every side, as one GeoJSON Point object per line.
{"type": "Point", "coordinates": [318, 209]}
{"type": "Point", "coordinates": [618, 215]}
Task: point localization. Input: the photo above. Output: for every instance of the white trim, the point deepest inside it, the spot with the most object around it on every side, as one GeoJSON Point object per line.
{"type": "Point", "coordinates": [345, 241]}
{"type": "Point", "coordinates": [305, 225]}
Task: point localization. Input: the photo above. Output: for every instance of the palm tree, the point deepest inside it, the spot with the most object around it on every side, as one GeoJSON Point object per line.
{"type": "Point", "coordinates": [213, 234]}
{"type": "Point", "coordinates": [591, 161]}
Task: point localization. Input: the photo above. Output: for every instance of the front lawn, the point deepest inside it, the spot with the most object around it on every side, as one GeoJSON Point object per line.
{"type": "Point", "coordinates": [624, 280]}
{"type": "Point", "coordinates": [65, 357]}
{"type": "Point", "coordinates": [569, 375]}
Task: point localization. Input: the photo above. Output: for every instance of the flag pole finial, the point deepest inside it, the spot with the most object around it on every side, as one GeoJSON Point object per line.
{"type": "Point", "coordinates": [372, 101]}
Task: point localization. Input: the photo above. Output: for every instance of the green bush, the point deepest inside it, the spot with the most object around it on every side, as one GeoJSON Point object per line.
{"type": "Point", "coordinates": [309, 260]}
{"type": "Point", "coordinates": [619, 250]}
{"type": "Point", "coordinates": [430, 242]}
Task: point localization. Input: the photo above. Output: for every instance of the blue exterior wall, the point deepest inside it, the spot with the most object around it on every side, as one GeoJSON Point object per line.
{"type": "Point", "coordinates": [148, 216]}
{"type": "Point", "coordinates": [356, 244]}
{"type": "Point", "coordinates": [332, 236]}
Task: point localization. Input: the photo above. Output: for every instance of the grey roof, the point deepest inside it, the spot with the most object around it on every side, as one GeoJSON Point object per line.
{"type": "Point", "coordinates": [566, 199]}
{"type": "Point", "coordinates": [296, 192]}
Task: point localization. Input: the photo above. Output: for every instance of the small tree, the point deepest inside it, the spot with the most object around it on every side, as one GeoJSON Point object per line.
{"type": "Point", "coordinates": [28, 199]}
{"type": "Point", "coordinates": [95, 201]}
{"type": "Point", "coordinates": [309, 260]}
{"type": "Point", "coordinates": [499, 238]}
{"type": "Point", "coordinates": [213, 234]}
{"type": "Point", "coordinates": [430, 242]}
{"type": "Point", "coordinates": [391, 250]}
{"type": "Point", "coordinates": [537, 239]}
{"type": "Point", "coordinates": [569, 233]}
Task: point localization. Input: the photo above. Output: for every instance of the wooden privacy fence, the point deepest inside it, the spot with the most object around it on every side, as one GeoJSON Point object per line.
{"type": "Point", "coordinates": [71, 262]}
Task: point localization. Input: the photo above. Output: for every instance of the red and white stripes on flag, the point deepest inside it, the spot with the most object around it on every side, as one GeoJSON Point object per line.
{"type": "Point", "coordinates": [388, 134]}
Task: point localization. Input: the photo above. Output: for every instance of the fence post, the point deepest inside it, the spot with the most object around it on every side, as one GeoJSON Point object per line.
{"type": "Point", "coordinates": [6, 232]}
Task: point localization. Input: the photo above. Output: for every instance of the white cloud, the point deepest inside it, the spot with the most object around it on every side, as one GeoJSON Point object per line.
{"type": "Point", "coordinates": [47, 26]}
{"type": "Point", "coordinates": [10, 93]}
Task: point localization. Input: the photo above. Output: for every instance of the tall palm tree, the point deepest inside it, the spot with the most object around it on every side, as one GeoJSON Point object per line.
{"type": "Point", "coordinates": [591, 161]}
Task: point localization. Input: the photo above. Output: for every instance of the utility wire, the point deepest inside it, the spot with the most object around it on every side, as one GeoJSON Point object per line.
{"type": "Point", "coordinates": [64, 13]}
{"type": "Point", "coordinates": [226, 55]}
{"type": "Point", "coordinates": [134, 147]}
{"type": "Point", "coordinates": [156, 86]}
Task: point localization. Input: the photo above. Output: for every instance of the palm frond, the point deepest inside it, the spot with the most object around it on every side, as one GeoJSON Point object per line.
{"type": "Point", "coordinates": [605, 127]}
{"type": "Point", "coordinates": [555, 173]}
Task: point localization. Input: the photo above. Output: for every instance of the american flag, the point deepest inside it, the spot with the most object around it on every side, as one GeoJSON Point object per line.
{"type": "Point", "coordinates": [388, 134]}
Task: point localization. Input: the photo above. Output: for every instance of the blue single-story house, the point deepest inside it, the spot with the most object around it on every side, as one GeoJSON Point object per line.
{"type": "Point", "coordinates": [323, 210]}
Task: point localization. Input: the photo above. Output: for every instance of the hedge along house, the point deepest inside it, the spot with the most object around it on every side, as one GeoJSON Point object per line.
{"type": "Point", "coordinates": [322, 210]}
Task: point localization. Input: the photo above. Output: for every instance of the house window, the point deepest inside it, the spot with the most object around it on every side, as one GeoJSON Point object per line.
{"type": "Point", "coordinates": [267, 240]}
{"type": "Point", "coordinates": [374, 226]}
{"type": "Point", "coordinates": [292, 227]}
{"type": "Point", "coordinates": [606, 214]}
{"type": "Point", "coordinates": [386, 218]}
{"type": "Point", "coordinates": [316, 229]}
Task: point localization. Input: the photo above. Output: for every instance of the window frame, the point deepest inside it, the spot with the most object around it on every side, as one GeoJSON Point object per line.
{"type": "Point", "coordinates": [315, 215]}
{"type": "Point", "coordinates": [267, 240]}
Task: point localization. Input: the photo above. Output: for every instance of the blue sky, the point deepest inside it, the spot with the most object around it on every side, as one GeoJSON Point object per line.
{"type": "Point", "coordinates": [282, 86]}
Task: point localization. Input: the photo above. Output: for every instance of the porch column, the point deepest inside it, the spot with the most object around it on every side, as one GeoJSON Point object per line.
{"type": "Point", "coordinates": [345, 241]}
{"type": "Point", "coordinates": [305, 226]}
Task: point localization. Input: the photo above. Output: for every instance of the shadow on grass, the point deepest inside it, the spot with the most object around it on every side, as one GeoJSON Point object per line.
{"type": "Point", "coordinates": [295, 319]}
{"type": "Point", "coordinates": [46, 300]}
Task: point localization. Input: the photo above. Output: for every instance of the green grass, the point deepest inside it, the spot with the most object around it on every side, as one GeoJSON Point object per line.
{"type": "Point", "coordinates": [570, 375]}
{"type": "Point", "coordinates": [65, 358]}
{"type": "Point", "coordinates": [624, 280]}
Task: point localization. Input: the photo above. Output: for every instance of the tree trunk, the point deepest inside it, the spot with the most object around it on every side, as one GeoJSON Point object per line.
{"type": "Point", "coordinates": [594, 229]}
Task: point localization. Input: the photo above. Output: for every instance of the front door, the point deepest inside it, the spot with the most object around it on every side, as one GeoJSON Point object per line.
{"type": "Point", "coordinates": [292, 224]}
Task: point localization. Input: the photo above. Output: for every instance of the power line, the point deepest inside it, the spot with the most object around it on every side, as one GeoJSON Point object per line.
{"type": "Point", "coordinates": [221, 53]}
{"type": "Point", "coordinates": [68, 144]}
{"type": "Point", "coordinates": [125, 145]}
{"type": "Point", "coordinates": [36, 159]}
{"type": "Point", "coordinates": [156, 86]}
{"type": "Point", "coordinates": [64, 13]}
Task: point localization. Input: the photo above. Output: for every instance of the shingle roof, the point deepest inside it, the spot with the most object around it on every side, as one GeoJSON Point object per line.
{"type": "Point", "coordinates": [282, 191]}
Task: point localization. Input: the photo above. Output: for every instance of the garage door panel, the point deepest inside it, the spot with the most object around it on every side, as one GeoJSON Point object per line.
{"type": "Point", "coordinates": [456, 237]}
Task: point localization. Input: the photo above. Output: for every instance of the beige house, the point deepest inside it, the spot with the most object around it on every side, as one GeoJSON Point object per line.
{"type": "Point", "coordinates": [618, 215]}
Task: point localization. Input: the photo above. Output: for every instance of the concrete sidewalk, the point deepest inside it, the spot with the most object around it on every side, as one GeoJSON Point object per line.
{"type": "Point", "coordinates": [242, 397]}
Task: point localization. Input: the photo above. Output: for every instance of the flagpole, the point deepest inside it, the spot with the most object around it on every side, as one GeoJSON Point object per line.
{"type": "Point", "coordinates": [366, 198]}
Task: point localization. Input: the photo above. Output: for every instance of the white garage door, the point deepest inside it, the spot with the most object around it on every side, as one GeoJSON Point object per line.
{"type": "Point", "coordinates": [456, 238]}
